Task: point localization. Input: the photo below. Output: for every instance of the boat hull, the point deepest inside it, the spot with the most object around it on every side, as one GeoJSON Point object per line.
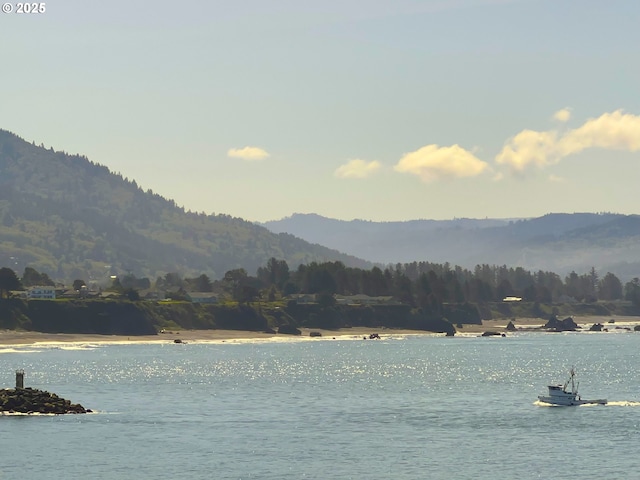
{"type": "Point", "coordinates": [570, 402]}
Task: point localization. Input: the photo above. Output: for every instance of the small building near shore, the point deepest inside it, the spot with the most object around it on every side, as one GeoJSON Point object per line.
{"type": "Point", "coordinates": [41, 292]}
{"type": "Point", "coordinates": [512, 299]}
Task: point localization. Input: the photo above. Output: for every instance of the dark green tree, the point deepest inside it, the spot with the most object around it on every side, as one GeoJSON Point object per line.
{"type": "Point", "coordinates": [276, 272]}
{"type": "Point", "coordinates": [632, 291]}
{"type": "Point", "coordinates": [201, 283]}
{"type": "Point", "coordinates": [131, 294]}
{"type": "Point", "coordinates": [8, 281]}
{"type": "Point", "coordinates": [31, 277]}
{"type": "Point", "coordinates": [504, 290]}
{"type": "Point", "coordinates": [610, 287]}
{"type": "Point", "coordinates": [326, 300]}
{"type": "Point", "coordinates": [247, 293]}
{"type": "Point", "coordinates": [233, 282]}
{"type": "Point", "coordinates": [573, 287]}
{"type": "Point", "coordinates": [423, 291]}
{"type": "Point", "coordinates": [402, 288]}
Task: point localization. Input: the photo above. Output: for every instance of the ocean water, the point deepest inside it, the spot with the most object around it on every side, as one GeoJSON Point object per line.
{"type": "Point", "coordinates": [412, 407]}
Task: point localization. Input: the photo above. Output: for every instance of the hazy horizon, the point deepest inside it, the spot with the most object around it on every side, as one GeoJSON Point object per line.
{"type": "Point", "coordinates": [420, 109]}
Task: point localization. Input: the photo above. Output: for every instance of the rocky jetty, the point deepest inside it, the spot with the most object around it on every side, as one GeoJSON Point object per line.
{"type": "Point", "coordinates": [30, 400]}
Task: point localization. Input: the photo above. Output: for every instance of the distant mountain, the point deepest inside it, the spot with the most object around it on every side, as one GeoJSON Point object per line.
{"type": "Point", "coordinates": [555, 242]}
{"type": "Point", "coordinates": [71, 218]}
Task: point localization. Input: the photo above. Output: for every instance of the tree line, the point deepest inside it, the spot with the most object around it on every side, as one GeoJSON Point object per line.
{"type": "Point", "coordinates": [419, 284]}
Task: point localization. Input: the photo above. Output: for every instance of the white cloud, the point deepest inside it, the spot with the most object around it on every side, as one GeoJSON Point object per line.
{"type": "Point", "coordinates": [432, 162]}
{"type": "Point", "coordinates": [613, 131]}
{"type": "Point", "coordinates": [529, 148]}
{"type": "Point", "coordinates": [357, 168]}
{"type": "Point", "coordinates": [248, 153]}
{"type": "Point", "coordinates": [562, 115]}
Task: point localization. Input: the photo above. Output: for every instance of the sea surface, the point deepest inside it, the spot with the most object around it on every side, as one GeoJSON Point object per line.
{"type": "Point", "coordinates": [404, 407]}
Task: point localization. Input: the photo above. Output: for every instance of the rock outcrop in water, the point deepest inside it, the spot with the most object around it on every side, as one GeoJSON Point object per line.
{"type": "Point", "coordinates": [556, 325]}
{"type": "Point", "coordinates": [490, 333]}
{"type": "Point", "coordinates": [30, 400]}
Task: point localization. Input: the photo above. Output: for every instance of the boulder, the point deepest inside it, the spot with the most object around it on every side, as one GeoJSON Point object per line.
{"type": "Point", "coordinates": [491, 334]}
{"type": "Point", "coordinates": [289, 330]}
{"type": "Point", "coordinates": [510, 326]}
{"type": "Point", "coordinates": [596, 327]}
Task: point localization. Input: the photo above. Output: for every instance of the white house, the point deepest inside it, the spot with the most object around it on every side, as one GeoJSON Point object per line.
{"type": "Point", "coordinates": [41, 292]}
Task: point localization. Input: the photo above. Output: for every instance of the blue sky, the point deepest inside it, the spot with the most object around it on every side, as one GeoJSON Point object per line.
{"type": "Point", "coordinates": [375, 110]}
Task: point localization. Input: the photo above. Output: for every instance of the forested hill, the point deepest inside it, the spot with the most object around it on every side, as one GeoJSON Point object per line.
{"type": "Point", "coordinates": [557, 242]}
{"type": "Point", "coordinates": [71, 218]}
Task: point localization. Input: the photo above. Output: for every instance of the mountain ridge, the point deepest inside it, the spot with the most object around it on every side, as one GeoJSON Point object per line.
{"type": "Point", "coordinates": [559, 242]}
{"type": "Point", "coordinates": [71, 218]}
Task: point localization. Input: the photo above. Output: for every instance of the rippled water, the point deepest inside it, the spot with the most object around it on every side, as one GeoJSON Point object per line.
{"type": "Point", "coordinates": [403, 408]}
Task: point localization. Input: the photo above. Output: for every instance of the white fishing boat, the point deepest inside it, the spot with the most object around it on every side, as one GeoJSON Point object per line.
{"type": "Point", "coordinates": [567, 394]}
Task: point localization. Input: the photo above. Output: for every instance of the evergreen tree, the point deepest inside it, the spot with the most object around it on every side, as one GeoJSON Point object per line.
{"type": "Point", "coordinates": [610, 287]}
{"type": "Point", "coordinates": [8, 281]}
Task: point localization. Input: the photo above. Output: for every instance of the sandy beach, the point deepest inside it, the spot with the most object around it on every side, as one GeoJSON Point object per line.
{"type": "Point", "coordinates": [12, 337]}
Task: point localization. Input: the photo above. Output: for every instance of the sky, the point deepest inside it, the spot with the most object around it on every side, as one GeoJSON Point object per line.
{"type": "Point", "coordinates": [351, 109]}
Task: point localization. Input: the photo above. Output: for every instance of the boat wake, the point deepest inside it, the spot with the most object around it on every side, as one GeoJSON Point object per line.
{"type": "Point", "coordinates": [618, 403]}
{"type": "Point", "coordinates": [623, 403]}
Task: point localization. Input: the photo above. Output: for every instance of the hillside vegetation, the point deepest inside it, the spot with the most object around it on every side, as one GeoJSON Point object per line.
{"type": "Point", "coordinates": [67, 216]}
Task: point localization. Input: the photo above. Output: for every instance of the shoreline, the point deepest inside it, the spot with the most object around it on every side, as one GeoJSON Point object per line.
{"type": "Point", "coordinates": [22, 338]}
{"type": "Point", "coordinates": [26, 338]}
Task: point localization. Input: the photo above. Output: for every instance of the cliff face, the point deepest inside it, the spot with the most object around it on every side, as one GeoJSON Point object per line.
{"type": "Point", "coordinates": [123, 317]}
{"type": "Point", "coordinates": [105, 318]}
{"type": "Point", "coordinates": [89, 317]}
